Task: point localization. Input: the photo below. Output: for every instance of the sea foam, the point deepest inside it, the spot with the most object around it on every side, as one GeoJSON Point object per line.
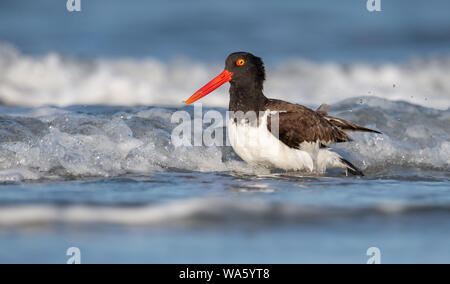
{"type": "Point", "coordinates": [87, 141]}
{"type": "Point", "coordinates": [53, 79]}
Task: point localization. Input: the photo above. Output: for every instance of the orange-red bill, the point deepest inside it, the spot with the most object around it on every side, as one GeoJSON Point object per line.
{"type": "Point", "coordinates": [223, 78]}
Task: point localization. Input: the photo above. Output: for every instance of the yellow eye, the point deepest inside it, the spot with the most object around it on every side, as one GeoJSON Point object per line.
{"type": "Point", "coordinates": [240, 62]}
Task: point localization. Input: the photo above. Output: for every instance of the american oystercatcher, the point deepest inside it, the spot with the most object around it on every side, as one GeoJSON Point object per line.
{"type": "Point", "coordinates": [283, 135]}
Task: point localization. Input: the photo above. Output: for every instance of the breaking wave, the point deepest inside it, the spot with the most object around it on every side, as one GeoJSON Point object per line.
{"type": "Point", "coordinates": [61, 81]}
{"type": "Point", "coordinates": [46, 142]}
{"type": "Point", "coordinates": [49, 142]}
{"type": "Point", "coordinates": [203, 213]}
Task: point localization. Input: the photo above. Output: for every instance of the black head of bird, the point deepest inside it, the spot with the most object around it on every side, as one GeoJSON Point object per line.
{"type": "Point", "coordinates": [244, 71]}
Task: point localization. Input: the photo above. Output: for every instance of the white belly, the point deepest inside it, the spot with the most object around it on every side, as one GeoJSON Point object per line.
{"type": "Point", "coordinates": [256, 145]}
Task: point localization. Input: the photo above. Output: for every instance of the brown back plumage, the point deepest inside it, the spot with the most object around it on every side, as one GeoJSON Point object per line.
{"type": "Point", "coordinates": [298, 124]}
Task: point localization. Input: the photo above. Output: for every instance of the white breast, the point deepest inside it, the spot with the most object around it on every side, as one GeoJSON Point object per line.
{"type": "Point", "coordinates": [256, 145]}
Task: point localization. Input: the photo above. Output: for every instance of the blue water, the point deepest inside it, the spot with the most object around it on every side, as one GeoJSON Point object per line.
{"type": "Point", "coordinates": [108, 181]}
{"type": "Point", "coordinates": [340, 229]}
{"type": "Point", "coordinates": [95, 174]}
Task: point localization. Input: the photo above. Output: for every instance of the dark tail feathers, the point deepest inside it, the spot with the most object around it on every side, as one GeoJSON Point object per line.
{"type": "Point", "coordinates": [342, 124]}
{"type": "Point", "coordinates": [351, 168]}
{"type": "Point", "coordinates": [348, 126]}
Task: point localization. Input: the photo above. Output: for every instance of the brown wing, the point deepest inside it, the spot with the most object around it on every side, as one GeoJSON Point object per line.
{"type": "Point", "coordinates": [298, 124]}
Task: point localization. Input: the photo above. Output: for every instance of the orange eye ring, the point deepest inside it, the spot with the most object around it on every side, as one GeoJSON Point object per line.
{"type": "Point", "coordinates": [240, 62]}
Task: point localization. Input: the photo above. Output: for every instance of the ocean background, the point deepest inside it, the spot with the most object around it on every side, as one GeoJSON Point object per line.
{"type": "Point", "coordinates": [86, 159]}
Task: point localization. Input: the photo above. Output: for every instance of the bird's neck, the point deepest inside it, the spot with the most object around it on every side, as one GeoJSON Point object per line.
{"type": "Point", "coordinates": [247, 98]}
